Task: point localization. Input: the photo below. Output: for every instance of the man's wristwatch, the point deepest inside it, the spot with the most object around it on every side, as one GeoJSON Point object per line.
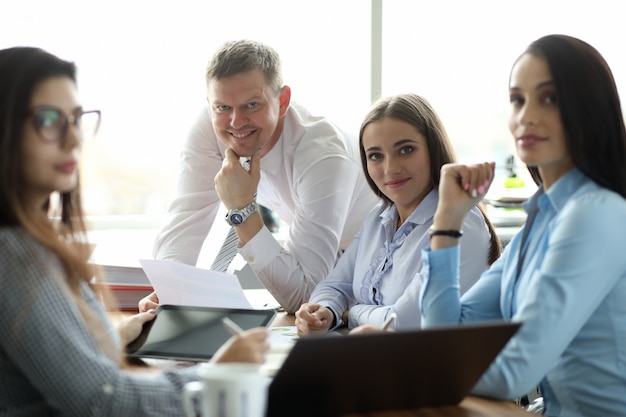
{"type": "Point", "coordinates": [236, 217]}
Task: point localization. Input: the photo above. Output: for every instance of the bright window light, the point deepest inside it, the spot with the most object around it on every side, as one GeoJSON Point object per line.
{"type": "Point", "coordinates": [142, 63]}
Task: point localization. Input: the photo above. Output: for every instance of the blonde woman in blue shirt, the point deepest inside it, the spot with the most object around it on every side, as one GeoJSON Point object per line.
{"type": "Point", "coordinates": [403, 145]}
{"type": "Point", "coordinates": [564, 275]}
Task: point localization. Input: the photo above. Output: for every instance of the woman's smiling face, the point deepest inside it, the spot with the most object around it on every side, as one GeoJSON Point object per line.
{"type": "Point", "coordinates": [398, 162]}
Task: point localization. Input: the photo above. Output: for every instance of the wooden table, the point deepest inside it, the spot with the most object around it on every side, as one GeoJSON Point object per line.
{"type": "Point", "coordinates": [469, 407]}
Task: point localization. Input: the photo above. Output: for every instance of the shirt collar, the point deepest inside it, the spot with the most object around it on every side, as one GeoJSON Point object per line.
{"type": "Point", "coordinates": [421, 215]}
{"type": "Point", "coordinates": [273, 160]}
{"type": "Point", "coordinates": [559, 193]}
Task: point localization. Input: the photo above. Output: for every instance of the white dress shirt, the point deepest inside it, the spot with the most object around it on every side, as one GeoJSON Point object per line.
{"type": "Point", "coordinates": [312, 179]}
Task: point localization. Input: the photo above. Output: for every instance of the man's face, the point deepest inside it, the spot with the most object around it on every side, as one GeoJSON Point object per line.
{"type": "Point", "coordinates": [247, 113]}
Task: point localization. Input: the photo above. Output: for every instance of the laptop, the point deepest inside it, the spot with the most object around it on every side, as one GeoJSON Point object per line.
{"type": "Point", "coordinates": [336, 375]}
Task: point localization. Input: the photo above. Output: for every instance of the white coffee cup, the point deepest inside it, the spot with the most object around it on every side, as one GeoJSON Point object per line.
{"type": "Point", "coordinates": [227, 390]}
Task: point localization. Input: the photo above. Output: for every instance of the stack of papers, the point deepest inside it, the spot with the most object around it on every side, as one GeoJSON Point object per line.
{"type": "Point", "coordinates": [181, 284]}
{"type": "Point", "coordinates": [128, 285]}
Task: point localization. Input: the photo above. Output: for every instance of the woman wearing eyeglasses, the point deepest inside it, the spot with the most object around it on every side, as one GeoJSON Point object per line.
{"type": "Point", "coordinates": [59, 354]}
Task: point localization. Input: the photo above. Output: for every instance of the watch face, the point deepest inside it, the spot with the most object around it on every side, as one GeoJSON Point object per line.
{"type": "Point", "coordinates": [236, 218]}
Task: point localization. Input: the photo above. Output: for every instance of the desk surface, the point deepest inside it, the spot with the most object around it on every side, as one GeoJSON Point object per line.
{"type": "Point", "coordinates": [469, 407]}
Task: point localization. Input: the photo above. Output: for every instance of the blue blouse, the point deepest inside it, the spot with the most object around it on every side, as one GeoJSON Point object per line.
{"type": "Point", "coordinates": [570, 297]}
{"type": "Point", "coordinates": [381, 271]}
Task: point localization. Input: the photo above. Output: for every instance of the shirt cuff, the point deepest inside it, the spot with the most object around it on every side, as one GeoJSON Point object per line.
{"type": "Point", "coordinates": [442, 264]}
{"type": "Point", "coordinates": [261, 249]}
{"type": "Point", "coordinates": [338, 320]}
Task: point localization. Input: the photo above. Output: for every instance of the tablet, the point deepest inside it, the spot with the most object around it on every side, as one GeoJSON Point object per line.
{"type": "Point", "coordinates": [192, 333]}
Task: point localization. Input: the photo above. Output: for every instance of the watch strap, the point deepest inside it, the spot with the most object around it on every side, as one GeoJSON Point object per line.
{"type": "Point", "coordinates": [241, 215]}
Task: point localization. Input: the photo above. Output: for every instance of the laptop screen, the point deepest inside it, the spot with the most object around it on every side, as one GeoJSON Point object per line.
{"type": "Point", "coordinates": [329, 376]}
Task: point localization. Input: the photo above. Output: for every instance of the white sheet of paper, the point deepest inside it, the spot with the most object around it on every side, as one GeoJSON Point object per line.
{"type": "Point", "coordinates": [181, 284]}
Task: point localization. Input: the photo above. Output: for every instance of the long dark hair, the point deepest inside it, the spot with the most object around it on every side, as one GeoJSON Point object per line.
{"type": "Point", "coordinates": [61, 227]}
{"type": "Point", "coordinates": [591, 112]}
{"type": "Point", "coordinates": [417, 111]}
{"type": "Point", "coordinates": [22, 69]}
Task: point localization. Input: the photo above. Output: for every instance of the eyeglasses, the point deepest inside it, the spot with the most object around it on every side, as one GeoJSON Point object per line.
{"type": "Point", "coordinates": [52, 123]}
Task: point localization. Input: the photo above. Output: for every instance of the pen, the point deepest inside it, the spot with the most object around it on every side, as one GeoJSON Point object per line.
{"type": "Point", "coordinates": [231, 326]}
{"type": "Point", "coordinates": [389, 321]}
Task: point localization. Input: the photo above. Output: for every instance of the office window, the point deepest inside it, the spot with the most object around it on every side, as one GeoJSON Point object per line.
{"type": "Point", "coordinates": [458, 54]}
{"type": "Point", "coordinates": [142, 63]}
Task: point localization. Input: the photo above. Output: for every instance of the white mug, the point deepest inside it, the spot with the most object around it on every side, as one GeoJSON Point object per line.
{"type": "Point", "coordinates": [227, 390]}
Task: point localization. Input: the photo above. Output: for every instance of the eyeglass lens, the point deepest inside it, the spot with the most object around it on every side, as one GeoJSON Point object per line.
{"type": "Point", "coordinates": [52, 124]}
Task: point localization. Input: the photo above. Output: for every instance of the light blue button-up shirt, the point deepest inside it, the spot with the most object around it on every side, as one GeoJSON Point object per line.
{"type": "Point", "coordinates": [570, 297]}
{"type": "Point", "coordinates": [381, 271]}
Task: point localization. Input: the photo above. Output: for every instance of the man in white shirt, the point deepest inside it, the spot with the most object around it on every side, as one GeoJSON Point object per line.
{"type": "Point", "coordinates": [304, 168]}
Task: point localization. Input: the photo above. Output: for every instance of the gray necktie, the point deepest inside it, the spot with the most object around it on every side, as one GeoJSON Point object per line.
{"type": "Point", "coordinates": [227, 252]}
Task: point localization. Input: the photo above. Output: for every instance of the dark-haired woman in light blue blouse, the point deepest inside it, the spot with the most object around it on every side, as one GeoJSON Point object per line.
{"type": "Point", "coordinates": [564, 275]}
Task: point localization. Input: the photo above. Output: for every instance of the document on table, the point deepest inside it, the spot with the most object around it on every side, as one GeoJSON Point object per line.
{"type": "Point", "coordinates": [182, 284]}
{"type": "Point", "coordinates": [281, 341]}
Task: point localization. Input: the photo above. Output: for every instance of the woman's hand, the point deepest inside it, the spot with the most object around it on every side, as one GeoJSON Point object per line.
{"type": "Point", "coordinates": [250, 346]}
{"type": "Point", "coordinates": [366, 328]}
{"type": "Point", "coordinates": [129, 328]}
{"type": "Point", "coordinates": [149, 302]}
{"type": "Point", "coordinates": [313, 318]}
{"type": "Point", "coordinates": [461, 187]}
{"type": "Point", "coordinates": [370, 328]}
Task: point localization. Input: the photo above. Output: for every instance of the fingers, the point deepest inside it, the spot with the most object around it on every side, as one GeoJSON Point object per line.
{"type": "Point", "coordinates": [461, 187]}
{"type": "Point", "coordinates": [313, 318]}
{"type": "Point", "coordinates": [235, 186]}
{"type": "Point", "coordinates": [146, 316]}
{"type": "Point", "coordinates": [259, 339]}
{"type": "Point", "coordinates": [250, 346]}
{"type": "Point", "coordinates": [149, 302]}
{"type": "Point", "coordinates": [476, 179]}
{"type": "Point", "coordinates": [232, 161]}
{"type": "Point", "coordinates": [306, 317]}
{"type": "Point", "coordinates": [366, 328]}
{"type": "Point", "coordinates": [130, 328]}
{"type": "Point", "coordinates": [229, 165]}
{"type": "Point", "coordinates": [230, 156]}
{"type": "Point", "coordinates": [258, 334]}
